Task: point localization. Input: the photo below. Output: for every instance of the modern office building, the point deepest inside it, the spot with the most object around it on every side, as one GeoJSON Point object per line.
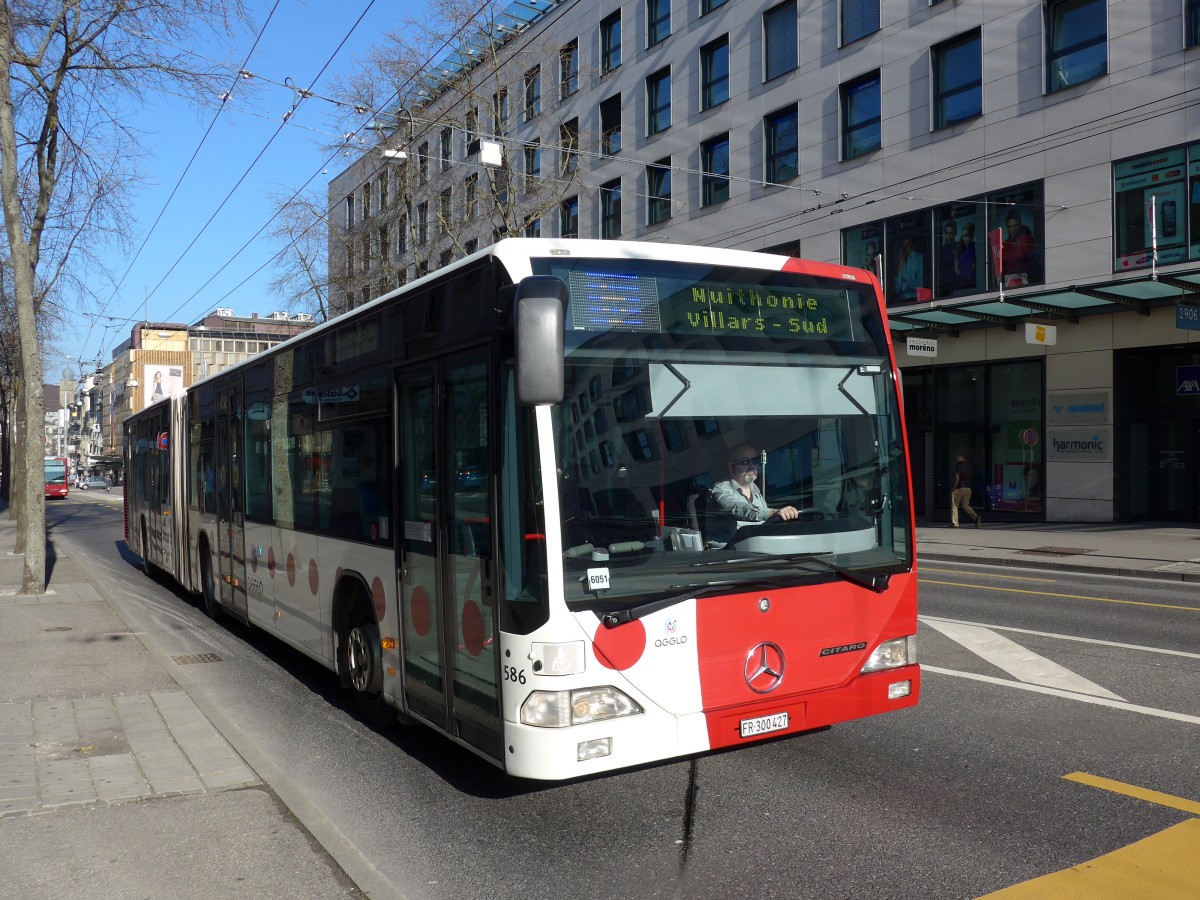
{"type": "Point", "coordinates": [1023, 175]}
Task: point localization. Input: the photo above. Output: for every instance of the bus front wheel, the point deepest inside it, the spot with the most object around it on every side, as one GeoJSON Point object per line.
{"type": "Point", "coordinates": [364, 665]}
{"type": "Point", "coordinates": [211, 607]}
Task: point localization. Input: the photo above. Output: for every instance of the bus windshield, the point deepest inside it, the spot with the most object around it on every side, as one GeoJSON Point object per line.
{"type": "Point", "coordinates": [700, 399]}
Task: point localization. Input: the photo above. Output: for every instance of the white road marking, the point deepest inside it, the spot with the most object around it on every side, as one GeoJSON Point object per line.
{"type": "Point", "coordinates": [1018, 661]}
{"type": "Point", "coordinates": [1065, 637]}
{"type": "Point", "coordinates": [1066, 695]}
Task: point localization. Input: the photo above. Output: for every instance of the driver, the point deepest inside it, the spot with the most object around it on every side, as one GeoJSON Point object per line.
{"type": "Point", "coordinates": [740, 496]}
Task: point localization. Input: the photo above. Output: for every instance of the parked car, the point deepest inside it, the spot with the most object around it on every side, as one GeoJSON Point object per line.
{"type": "Point", "coordinates": [93, 481]}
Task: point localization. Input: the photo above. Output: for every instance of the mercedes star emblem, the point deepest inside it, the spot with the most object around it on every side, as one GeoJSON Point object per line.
{"type": "Point", "coordinates": [764, 667]}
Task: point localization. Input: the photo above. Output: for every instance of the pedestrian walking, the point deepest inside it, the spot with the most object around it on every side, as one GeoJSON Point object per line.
{"type": "Point", "coordinates": [960, 493]}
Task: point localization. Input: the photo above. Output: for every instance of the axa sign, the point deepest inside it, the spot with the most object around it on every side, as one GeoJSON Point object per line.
{"type": "Point", "coordinates": [1187, 381]}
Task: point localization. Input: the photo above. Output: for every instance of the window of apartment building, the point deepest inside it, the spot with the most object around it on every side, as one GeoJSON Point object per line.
{"type": "Point", "coordinates": [568, 218]}
{"type": "Point", "coordinates": [707, 6]}
{"type": "Point", "coordinates": [1191, 23]}
{"type": "Point", "coordinates": [447, 143]}
{"type": "Point", "coordinates": [568, 70]}
{"type": "Point", "coordinates": [500, 113]}
{"type": "Point", "coordinates": [385, 248]}
{"type": "Point", "coordinates": [658, 21]}
{"type": "Point", "coordinates": [610, 125]}
{"type": "Point", "coordinates": [381, 192]}
{"type": "Point", "coordinates": [610, 209]}
{"type": "Point", "coordinates": [862, 116]}
{"type": "Point", "coordinates": [445, 199]}
{"type": "Point", "coordinates": [958, 80]}
{"type": "Point", "coordinates": [658, 192]}
{"type": "Point", "coordinates": [366, 200]}
{"type": "Point", "coordinates": [423, 162]}
{"type": "Point", "coordinates": [714, 163]}
{"type": "Point", "coordinates": [1077, 46]}
{"type": "Point", "coordinates": [782, 145]}
{"type": "Point", "coordinates": [568, 140]}
{"type": "Point", "coordinates": [610, 42]}
{"type": "Point", "coordinates": [365, 253]}
{"type": "Point", "coordinates": [422, 223]}
{"type": "Point", "coordinates": [858, 18]}
{"type": "Point", "coordinates": [402, 235]}
{"type": "Point", "coordinates": [714, 73]}
{"type": "Point", "coordinates": [533, 163]}
{"type": "Point", "coordinates": [350, 211]}
{"type": "Point", "coordinates": [350, 258]}
{"type": "Point", "coordinates": [658, 101]}
{"type": "Point", "coordinates": [446, 257]}
{"type": "Point", "coordinates": [533, 92]}
{"type": "Point", "coordinates": [470, 129]}
{"type": "Point", "coordinates": [471, 197]}
{"type": "Point", "coordinates": [533, 228]}
{"type": "Point", "coordinates": [780, 53]}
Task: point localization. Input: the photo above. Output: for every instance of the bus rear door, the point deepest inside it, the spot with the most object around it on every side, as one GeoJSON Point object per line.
{"type": "Point", "coordinates": [231, 544]}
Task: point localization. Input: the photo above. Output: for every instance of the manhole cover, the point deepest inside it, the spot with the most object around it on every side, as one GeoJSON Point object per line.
{"type": "Point", "coordinates": [196, 658]}
{"type": "Point", "coordinates": [1055, 551]}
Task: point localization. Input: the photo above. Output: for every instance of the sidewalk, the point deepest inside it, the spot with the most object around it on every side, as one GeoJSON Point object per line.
{"type": "Point", "coordinates": [1167, 551]}
{"type": "Point", "coordinates": [113, 783]}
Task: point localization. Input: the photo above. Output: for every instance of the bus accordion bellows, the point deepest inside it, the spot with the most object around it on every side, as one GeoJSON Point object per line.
{"type": "Point", "coordinates": [496, 501]}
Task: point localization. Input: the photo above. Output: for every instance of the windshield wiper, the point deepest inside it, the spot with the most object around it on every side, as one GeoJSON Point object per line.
{"type": "Point", "coordinates": [616, 617]}
{"type": "Point", "coordinates": [876, 583]}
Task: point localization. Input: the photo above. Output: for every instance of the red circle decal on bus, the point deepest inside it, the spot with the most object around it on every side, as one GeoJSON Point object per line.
{"type": "Point", "coordinates": [314, 577]}
{"type": "Point", "coordinates": [380, 598]}
{"type": "Point", "coordinates": [291, 570]}
{"type": "Point", "coordinates": [472, 627]}
{"type": "Point", "coordinates": [254, 559]}
{"type": "Point", "coordinates": [620, 648]}
{"type": "Point", "coordinates": [271, 561]}
{"type": "Point", "coordinates": [418, 605]}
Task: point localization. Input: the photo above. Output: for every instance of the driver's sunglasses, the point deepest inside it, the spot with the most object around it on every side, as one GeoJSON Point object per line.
{"type": "Point", "coordinates": [747, 461]}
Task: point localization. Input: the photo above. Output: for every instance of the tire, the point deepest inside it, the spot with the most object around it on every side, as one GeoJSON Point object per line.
{"type": "Point", "coordinates": [212, 608]}
{"type": "Point", "coordinates": [364, 665]}
{"type": "Point", "coordinates": [147, 567]}
{"type": "Point", "coordinates": [83, 487]}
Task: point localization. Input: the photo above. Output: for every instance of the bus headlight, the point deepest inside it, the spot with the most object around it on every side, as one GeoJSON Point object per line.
{"type": "Point", "coordinates": [893, 654]}
{"type": "Point", "coordinates": [558, 709]}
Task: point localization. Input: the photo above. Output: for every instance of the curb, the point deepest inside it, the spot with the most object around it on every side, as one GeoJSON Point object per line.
{"type": "Point", "coordinates": [1046, 565]}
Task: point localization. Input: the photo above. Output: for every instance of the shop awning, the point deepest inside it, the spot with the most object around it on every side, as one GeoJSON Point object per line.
{"type": "Point", "coordinates": [1139, 293]}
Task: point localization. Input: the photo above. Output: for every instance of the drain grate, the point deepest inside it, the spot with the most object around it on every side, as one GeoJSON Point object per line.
{"type": "Point", "coordinates": [1055, 551]}
{"type": "Point", "coordinates": [194, 658]}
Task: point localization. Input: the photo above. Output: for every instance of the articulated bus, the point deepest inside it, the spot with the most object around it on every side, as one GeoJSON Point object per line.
{"type": "Point", "coordinates": [56, 476]}
{"type": "Point", "coordinates": [489, 502]}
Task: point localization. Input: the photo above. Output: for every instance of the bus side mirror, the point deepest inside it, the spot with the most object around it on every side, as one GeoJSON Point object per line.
{"type": "Point", "coordinates": [540, 302]}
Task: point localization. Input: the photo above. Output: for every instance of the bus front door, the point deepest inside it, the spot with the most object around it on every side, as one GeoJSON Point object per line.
{"type": "Point", "coordinates": [445, 556]}
{"type": "Point", "coordinates": [231, 545]}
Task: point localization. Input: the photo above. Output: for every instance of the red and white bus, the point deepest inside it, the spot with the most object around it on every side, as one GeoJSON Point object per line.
{"type": "Point", "coordinates": [485, 500]}
{"type": "Point", "coordinates": [56, 476]}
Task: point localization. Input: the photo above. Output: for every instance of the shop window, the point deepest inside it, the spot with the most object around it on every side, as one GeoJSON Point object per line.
{"type": "Point", "coordinates": [960, 266]}
{"type": "Point", "coordinates": [1159, 183]}
{"type": "Point", "coordinates": [908, 258]}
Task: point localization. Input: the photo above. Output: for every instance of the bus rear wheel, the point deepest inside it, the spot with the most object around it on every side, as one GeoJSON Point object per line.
{"type": "Point", "coordinates": [211, 607]}
{"type": "Point", "coordinates": [364, 666]}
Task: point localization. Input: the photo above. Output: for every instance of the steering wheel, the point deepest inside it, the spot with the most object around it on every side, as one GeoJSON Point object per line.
{"type": "Point", "coordinates": [813, 513]}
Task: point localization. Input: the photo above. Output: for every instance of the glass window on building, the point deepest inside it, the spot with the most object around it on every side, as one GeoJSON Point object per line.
{"type": "Point", "coordinates": [658, 101]}
{"type": "Point", "coordinates": [610, 42]}
{"type": "Point", "coordinates": [1155, 183]}
{"type": "Point", "coordinates": [610, 125]}
{"type": "Point", "coordinates": [958, 80]}
{"type": "Point", "coordinates": [568, 218]}
{"type": "Point", "coordinates": [1077, 44]}
{"type": "Point", "coordinates": [862, 116]}
{"type": "Point", "coordinates": [859, 18]}
{"type": "Point", "coordinates": [568, 70]}
{"type": "Point", "coordinates": [533, 92]}
{"type": "Point", "coordinates": [780, 48]}
{"type": "Point", "coordinates": [1014, 477]}
{"type": "Point", "coordinates": [658, 192]}
{"type": "Point", "coordinates": [1020, 212]}
{"type": "Point", "coordinates": [714, 73]}
{"type": "Point", "coordinates": [908, 261]}
{"type": "Point", "coordinates": [1191, 23]}
{"type": "Point", "coordinates": [862, 246]}
{"type": "Point", "coordinates": [961, 265]}
{"type": "Point", "coordinates": [714, 162]}
{"type": "Point", "coordinates": [707, 6]}
{"type": "Point", "coordinates": [781, 131]}
{"type": "Point", "coordinates": [610, 209]}
{"type": "Point", "coordinates": [658, 21]}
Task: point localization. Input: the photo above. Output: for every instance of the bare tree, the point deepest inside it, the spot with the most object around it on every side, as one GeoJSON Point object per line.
{"type": "Point", "coordinates": [488, 86]}
{"type": "Point", "coordinates": [67, 68]}
{"type": "Point", "coordinates": [302, 276]}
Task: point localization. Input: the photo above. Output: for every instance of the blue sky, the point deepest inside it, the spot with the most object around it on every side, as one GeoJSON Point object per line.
{"type": "Point", "coordinates": [300, 38]}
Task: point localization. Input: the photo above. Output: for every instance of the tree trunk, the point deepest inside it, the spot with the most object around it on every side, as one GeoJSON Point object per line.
{"type": "Point", "coordinates": [31, 415]}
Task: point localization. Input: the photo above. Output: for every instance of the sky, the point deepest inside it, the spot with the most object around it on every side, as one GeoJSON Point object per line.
{"type": "Point", "coordinates": [167, 284]}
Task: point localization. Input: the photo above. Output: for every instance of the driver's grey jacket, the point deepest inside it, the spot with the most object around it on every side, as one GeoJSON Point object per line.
{"type": "Point", "coordinates": [728, 496]}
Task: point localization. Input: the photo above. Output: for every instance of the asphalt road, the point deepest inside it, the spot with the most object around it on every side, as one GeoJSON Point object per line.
{"type": "Point", "coordinates": [964, 795]}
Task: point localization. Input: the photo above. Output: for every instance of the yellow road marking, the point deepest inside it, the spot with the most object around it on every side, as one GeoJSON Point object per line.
{"type": "Point", "coordinates": [1129, 790]}
{"type": "Point", "coordinates": [986, 587]}
{"type": "Point", "coordinates": [1160, 867]}
{"type": "Point", "coordinates": [986, 575]}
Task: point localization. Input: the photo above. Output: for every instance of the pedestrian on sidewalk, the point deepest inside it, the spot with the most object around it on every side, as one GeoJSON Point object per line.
{"type": "Point", "coordinates": [960, 493]}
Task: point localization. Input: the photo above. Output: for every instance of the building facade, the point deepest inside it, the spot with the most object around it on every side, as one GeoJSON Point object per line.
{"type": "Point", "coordinates": [1022, 175]}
